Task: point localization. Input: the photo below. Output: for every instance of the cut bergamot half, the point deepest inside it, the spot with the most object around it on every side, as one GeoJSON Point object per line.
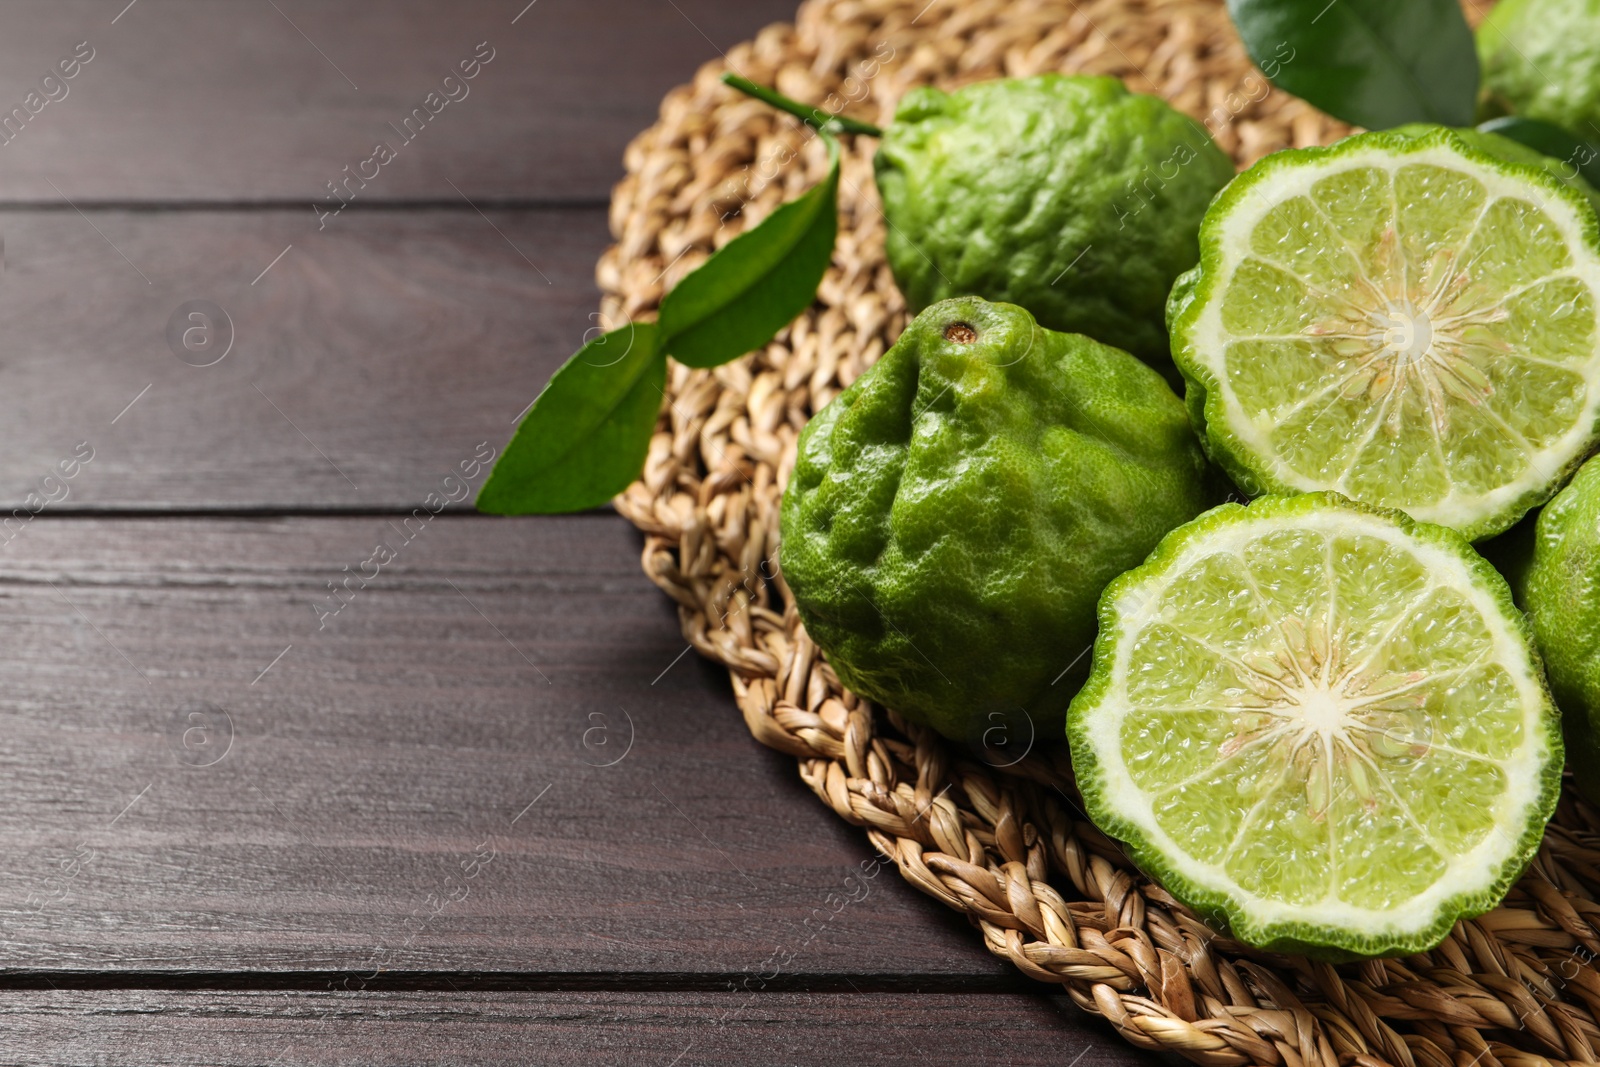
{"type": "Point", "coordinates": [1402, 318]}
{"type": "Point", "coordinates": [1319, 724]}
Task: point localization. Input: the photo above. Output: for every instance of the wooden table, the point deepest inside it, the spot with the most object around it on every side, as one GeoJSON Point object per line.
{"type": "Point", "coordinates": [264, 800]}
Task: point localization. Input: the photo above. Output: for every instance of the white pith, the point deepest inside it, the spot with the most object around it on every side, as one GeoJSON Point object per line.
{"type": "Point", "coordinates": [1319, 714]}
{"type": "Point", "coordinates": [1414, 331]}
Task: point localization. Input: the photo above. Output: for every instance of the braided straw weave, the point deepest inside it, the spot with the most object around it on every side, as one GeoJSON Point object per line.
{"type": "Point", "coordinates": [1010, 846]}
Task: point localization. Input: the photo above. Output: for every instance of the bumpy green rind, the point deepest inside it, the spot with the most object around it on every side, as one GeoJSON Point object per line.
{"type": "Point", "coordinates": [1561, 591]}
{"type": "Point", "coordinates": [1513, 152]}
{"type": "Point", "coordinates": [1201, 285]}
{"type": "Point", "coordinates": [1070, 196]}
{"type": "Point", "coordinates": [1194, 393]}
{"type": "Point", "coordinates": [1336, 944]}
{"type": "Point", "coordinates": [953, 515]}
{"type": "Point", "coordinates": [1538, 59]}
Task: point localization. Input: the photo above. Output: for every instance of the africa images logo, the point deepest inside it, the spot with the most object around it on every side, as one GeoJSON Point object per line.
{"type": "Point", "coordinates": [452, 89]}
{"type": "Point", "coordinates": [52, 88]}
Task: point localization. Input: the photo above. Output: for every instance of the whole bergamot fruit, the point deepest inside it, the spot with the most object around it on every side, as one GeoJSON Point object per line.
{"type": "Point", "coordinates": [1560, 590]}
{"type": "Point", "coordinates": [1070, 196]}
{"type": "Point", "coordinates": [954, 514]}
{"type": "Point", "coordinates": [1541, 60]}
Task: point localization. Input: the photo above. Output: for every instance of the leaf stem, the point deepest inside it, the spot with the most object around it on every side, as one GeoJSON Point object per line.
{"type": "Point", "coordinates": [816, 118]}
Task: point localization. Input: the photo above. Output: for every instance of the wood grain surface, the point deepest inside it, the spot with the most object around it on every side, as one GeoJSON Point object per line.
{"type": "Point", "coordinates": [291, 771]}
{"type": "Point", "coordinates": [676, 1029]}
{"type": "Point", "coordinates": [417, 785]}
{"type": "Point", "coordinates": [193, 100]}
{"type": "Point", "coordinates": [365, 362]}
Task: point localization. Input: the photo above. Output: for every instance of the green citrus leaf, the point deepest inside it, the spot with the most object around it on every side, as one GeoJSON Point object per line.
{"type": "Point", "coordinates": [585, 438]}
{"type": "Point", "coordinates": [756, 284]}
{"type": "Point", "coordinates": [1576, 155]}
{"type": "Point", "coordinates": [1374, 63]}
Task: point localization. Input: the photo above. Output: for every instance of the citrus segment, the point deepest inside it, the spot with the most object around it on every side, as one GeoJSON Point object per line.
{"type": "Point", "coordinates": [1297, 236]}
{"type": "Point", "coordinates": [1496, 730]}
{"type": "Point", "coordinates": [1355, 201]}
{"type": "Point", "coordinates": [1272, 388]}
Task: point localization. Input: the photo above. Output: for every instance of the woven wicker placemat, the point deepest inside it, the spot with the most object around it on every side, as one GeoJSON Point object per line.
{"type": "Point", "coordinates": [1010, 846]}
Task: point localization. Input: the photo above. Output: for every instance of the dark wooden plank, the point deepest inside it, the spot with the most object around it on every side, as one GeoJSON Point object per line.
{"type": "Point", "coordinates": [416, 786]}
{"type": "Point", "coordinates": [677, 1029]}
{"type": "Point", "coordinates": [366, 362]}
{"type": "Point", "coordinates": [194, 100]}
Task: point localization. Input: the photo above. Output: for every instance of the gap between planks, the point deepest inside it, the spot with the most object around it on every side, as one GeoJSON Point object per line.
{"type": "Point", "coordinates": [278, 204]}
{"type": "Point", "coordinates": [522, 981]}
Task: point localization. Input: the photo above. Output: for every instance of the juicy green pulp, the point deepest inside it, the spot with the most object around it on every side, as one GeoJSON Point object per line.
{"type": "Point", "coordinates": [953, 514]}
{"type": "Point", "coordinates": [1538, 60]}
{"type": "Point", "coordinates": [1561, 591]}
{"type": "Point", "coordinates": [1315, 714]}
{"type": "Point", "coordinates": [1511, 151]}
{"type": "Point", "coordinates": [1398, 335]}
{"type": "Point", "coordinates": [1069, 196]}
